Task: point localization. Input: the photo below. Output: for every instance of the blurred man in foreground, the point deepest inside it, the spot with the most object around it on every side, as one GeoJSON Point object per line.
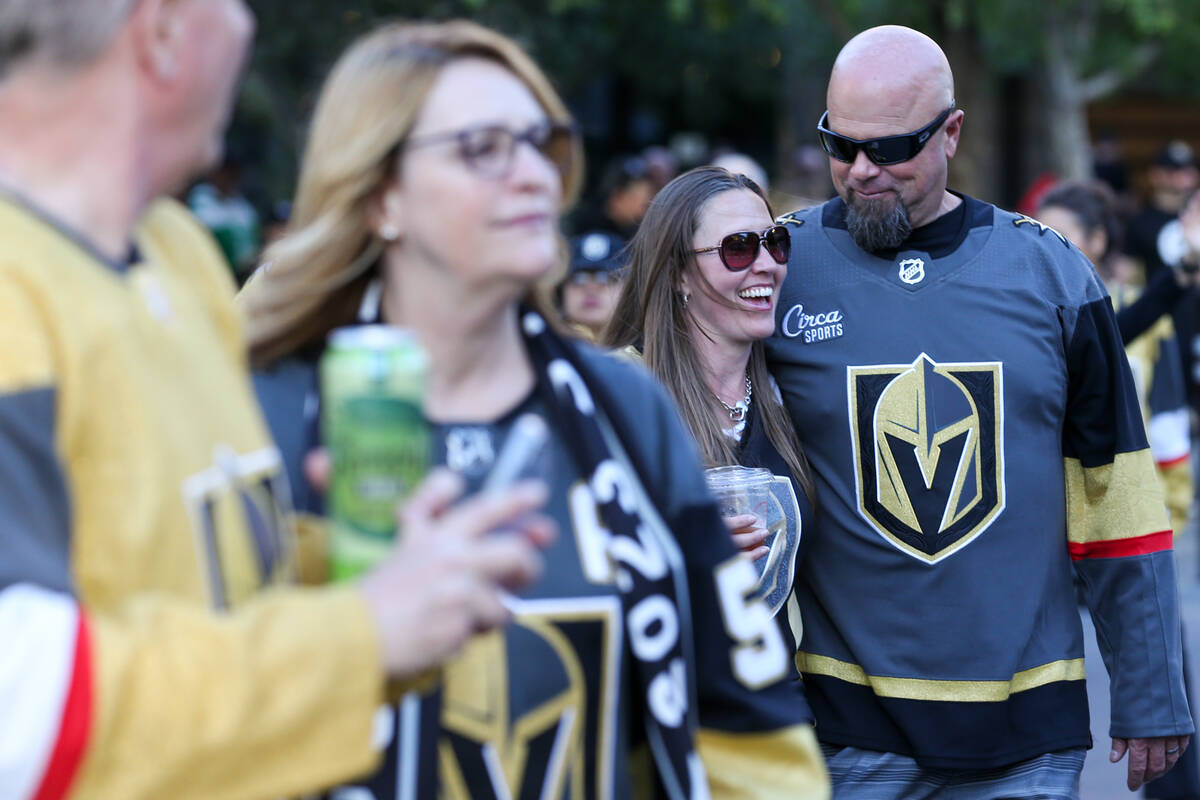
{"type": "Point", "coordinates": [151, 646]}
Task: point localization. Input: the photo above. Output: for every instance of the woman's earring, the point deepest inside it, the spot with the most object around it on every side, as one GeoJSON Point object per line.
{"type": "Point", "coordinates": [686, 296]}
{"type": "Point", "coordinates": [389, 231]}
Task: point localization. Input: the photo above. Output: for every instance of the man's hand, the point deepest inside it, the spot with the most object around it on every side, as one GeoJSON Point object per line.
{"type": "Point", "coordinates": [1148, 758]}
{"type": "Point", "coordinates": [748, 535]}
{"type": "Point", "coordinates": [453, 562]}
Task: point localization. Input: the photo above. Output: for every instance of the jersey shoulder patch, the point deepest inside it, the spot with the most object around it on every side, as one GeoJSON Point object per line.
{"type": "Point", "coordinates": [790, 218]}
{"type": "Point", "coordinates": [1032, 224]}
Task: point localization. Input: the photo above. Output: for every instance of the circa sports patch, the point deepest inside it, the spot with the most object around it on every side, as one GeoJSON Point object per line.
{"type": "Point", "coordinates": [928, 447]}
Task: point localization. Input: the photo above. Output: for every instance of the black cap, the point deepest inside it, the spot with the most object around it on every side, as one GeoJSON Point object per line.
{"type": "Point", "coordinates": [597, 251]}
{"type": "Point", "coordinates": [1176, 154]}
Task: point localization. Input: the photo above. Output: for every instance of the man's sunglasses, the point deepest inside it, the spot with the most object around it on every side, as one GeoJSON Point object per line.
{"type": "Point", "coordinates": [738, 250]}
{"type": "Point", "coordinates": [489, 149]}
{"type": "Point", "coordinates": [885, 150]}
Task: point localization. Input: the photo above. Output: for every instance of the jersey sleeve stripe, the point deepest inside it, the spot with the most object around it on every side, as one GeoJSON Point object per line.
{"type": "Point", "coordinates": [1116, 501]}
{"type": "Point", "coordinates": [1120, 548]}
{"type": "Point", "coordinates": [76, 723]}
{"type": "Point", "coordinates": [44, 683]}
{"type": "Point", "coordinates": [1174, 461]}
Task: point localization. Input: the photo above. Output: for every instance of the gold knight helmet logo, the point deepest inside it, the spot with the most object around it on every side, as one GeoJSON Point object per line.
{"type": "Point", "coordinates": [929, 452]}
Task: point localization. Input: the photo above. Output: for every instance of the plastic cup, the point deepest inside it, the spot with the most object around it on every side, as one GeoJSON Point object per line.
{"type": "Point", "coordinates": [741, 490]}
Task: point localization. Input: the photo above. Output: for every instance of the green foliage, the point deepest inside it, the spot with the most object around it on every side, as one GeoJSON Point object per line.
{"type": "Point", "coordinates": [727, 68]}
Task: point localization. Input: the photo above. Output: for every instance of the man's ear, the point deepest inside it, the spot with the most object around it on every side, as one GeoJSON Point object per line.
{"type": "Point", "coordinates": [158, 31]}
{"type": "Point", "coordinates": [953, 128]}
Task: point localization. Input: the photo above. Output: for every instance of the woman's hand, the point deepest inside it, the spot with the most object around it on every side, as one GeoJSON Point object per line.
{"type": "Point", "coordinates": [749, 533]}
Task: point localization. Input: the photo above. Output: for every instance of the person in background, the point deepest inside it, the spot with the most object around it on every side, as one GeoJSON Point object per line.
{"type": "Point", "coordinates": [438, 163]}
{"type": "Point", "coordinates": [1085, 212]}
{"type": "Point", "coordinates": [957, 378]}
{"type": "Point", "coordinates": [661, 165]}
{"type": "Point", "coordinates": [742, 164]}
{"type": "Point", "coordinates": [626, 189]}
{"type": "Point", "coordinates": [587, 295]}
{"type": "Point", "coordinates": [218, 202]}
{"type": "Point", "coordinates": [1172, 178]}
{"type": "Point", "coordinates": [152, 645]}
{"type": "Point", "coordinates": [1153, 236]}
{"type": "Point", "coordinates": [699, 298]}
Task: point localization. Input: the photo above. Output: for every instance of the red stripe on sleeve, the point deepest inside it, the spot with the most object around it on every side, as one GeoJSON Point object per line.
{"type": "Point", "coordinates": [76, 722]}
{"type": "Point", "coordinates": [1117, 548]}
{"type": "Point", "coordinates": [1170, 462]}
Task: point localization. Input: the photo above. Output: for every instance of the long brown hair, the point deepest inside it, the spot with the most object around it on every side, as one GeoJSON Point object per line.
{"type": "Point", "coordinates": [650, 314]}
{"type": "Point", "coordinates": [313, 279]}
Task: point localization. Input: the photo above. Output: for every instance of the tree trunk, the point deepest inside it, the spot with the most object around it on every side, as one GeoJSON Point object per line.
{"type": "Point", "coordinates": [975, 169]}
{"type": "Point", "coordinates": [1069, 144]}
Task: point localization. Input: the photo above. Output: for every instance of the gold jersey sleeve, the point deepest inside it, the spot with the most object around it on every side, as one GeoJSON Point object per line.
{"type": "Point", "coordinates": [158, 495]}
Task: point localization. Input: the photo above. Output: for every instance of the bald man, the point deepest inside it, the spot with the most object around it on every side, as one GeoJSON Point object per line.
{"type": "Point", "coordinates": [957, 377]}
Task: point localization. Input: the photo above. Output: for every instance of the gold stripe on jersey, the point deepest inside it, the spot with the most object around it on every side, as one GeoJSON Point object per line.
{"type": "Point", "coordinates": [942, 690]}
{"type": "Point", "coordinates": [744, 765]}
{"type": "Point", "coordinates": [1121, 500]}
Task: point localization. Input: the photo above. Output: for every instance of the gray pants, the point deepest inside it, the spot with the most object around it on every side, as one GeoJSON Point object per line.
{"type": "Point", "coordinates": [870, 775]}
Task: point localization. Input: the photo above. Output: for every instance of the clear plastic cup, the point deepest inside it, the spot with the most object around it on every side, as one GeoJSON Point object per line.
{"type": "Point", "coordinates": [741, 490]}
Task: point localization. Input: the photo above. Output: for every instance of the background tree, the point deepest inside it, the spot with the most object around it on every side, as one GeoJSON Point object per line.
{"type": "Point", "coordinates": [751, 75]}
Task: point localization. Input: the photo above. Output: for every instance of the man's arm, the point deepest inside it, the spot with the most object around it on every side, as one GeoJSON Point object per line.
{"type": "Point", "coordinates": [1120, 540]}
{"type": "Point", "coordinates": [153, 695]}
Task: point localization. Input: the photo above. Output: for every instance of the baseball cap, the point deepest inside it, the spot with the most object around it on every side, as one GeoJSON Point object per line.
{"type": "Point", "coordinates": [1176, 154]}
{"type": "Point", "coordinates": [597, 251]}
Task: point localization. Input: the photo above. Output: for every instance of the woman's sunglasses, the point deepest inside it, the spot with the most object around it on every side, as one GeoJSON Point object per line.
{"type": "Point", "coordinates": [884, 151]}
{"type": "Point", "coordinates": [738, 250]}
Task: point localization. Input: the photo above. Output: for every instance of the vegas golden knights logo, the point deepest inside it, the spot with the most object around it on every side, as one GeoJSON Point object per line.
{"type": "Point", "coordinates": [928, 444]}
{"type": "Point", "coordinates": [552, 738]}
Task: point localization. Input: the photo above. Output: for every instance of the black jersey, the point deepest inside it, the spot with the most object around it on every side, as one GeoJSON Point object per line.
{"type": "Point", "coordinates": [546, 707]}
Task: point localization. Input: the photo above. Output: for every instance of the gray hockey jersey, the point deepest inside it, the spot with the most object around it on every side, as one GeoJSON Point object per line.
{"type": "Point", "coordinates": [974, 433]}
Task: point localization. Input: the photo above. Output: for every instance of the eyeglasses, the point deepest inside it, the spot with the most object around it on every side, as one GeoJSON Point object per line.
{"type": "Point", "coordinates": [738, 250]}
{"type": "Point", "coordinates": [600, 277]}
{"type": "Point", "coordinates": [885, 150]}
{"type": "Point", "coordinates": [489, 149]}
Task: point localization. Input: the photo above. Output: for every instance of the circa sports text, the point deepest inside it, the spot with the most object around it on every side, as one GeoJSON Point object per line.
{"type": "Point", "coordinates": [812, 327]}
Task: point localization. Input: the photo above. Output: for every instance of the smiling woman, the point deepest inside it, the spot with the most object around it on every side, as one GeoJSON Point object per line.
{"type": "Point", "coordinates": [430, 195]}
{"type": "Point", "coordinates": [699, 297]}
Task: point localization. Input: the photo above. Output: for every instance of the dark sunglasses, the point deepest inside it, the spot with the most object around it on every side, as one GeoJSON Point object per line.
{"type": "Point", "coordinates": [883, 151]}
{"type": "Point", "coordinates": [489, 149]}
{"type": "Point", "coordinates": [738, 250]}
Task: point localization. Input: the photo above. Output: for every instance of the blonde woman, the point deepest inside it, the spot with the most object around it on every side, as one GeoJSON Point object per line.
{"type": "Point", "coordinates": [439, 161]}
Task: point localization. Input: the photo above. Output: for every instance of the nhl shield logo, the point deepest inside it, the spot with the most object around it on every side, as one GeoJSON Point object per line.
{"type": "Point", "coordinates": [912, 270]}
{"type": "Point", "coordinates": [928, 442]}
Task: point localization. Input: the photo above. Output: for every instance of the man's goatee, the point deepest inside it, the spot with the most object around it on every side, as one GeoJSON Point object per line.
{"type": "Point", "coordinates": [873, 228]}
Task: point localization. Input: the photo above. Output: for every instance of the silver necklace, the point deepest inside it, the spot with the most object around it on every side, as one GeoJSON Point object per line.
{"type": "Point", "coordinates": [737, 413]}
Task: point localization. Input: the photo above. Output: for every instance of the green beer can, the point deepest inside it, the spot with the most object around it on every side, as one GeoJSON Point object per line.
{"type": "Point", "coordinates": [373, 380]}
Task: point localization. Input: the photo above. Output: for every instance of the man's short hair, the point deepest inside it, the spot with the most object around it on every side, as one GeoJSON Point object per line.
{"type": "Point", "coordinates": [62, 32]}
